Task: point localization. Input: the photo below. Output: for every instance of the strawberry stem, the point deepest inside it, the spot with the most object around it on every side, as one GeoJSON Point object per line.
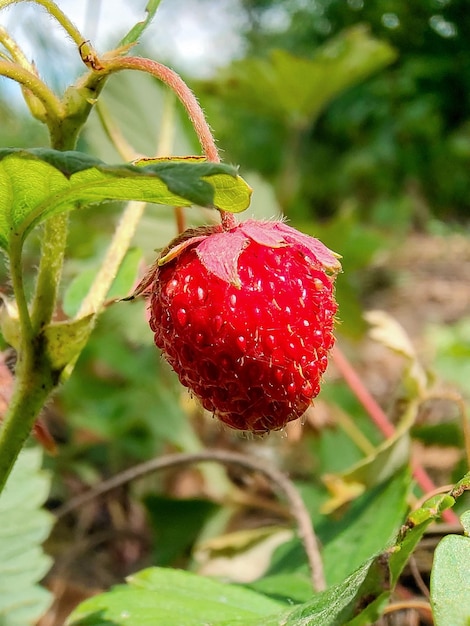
{"type": "Point", "coordinates": [186, 97]}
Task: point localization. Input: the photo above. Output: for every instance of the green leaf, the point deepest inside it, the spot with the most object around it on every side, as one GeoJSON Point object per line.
{"type": "Point", "coordinates": [137, 30]}
{"type": "Point", "coordinates": [414, 529]}
{"type": "Point", "coordinates": [40, 183]}
{"type": "Point", "coordinates": [450, 579]}
{"type": "Point", "coordinates": [290, 588]}
{"type": "Point", "coordinates": [165, 597]}
{"type": "Point", "coordinates": [296, 89]}
{"type": "Point", "coordinates": [368, 527]}
{"type": "Point", "coordinates": [161, 597]}
{"type": "Point", "coordinates": [340, 604]}
{"type": "Point", "coordinates": [23, 529]}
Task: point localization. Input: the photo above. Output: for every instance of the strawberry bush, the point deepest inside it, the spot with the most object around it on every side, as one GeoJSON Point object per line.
{"type": "Point", "coordinates": [245, 313]}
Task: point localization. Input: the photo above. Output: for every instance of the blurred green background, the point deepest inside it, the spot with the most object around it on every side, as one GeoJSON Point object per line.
{"type": "Point", "coordinates": [351, 118]}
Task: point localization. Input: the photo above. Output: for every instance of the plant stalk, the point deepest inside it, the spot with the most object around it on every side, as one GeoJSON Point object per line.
{"type": "Point", "coordinates": [185, 96]}
{"type": "Point", "coordinates": [34, 383]}
{"type": "Point", "coordinates": [52, 105]}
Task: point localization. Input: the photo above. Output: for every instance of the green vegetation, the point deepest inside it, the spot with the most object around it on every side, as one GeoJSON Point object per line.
{"type": "Point", "coordinates": [349, 118]}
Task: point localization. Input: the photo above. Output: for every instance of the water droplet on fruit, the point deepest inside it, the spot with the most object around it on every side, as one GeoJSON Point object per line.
{"type": "Point", "coordinates": [241, 342]}
{"type": "Point", "coordinates": [171, 287]}
{"type": "Point", "coordinates": [291, 388]}
{"type": "Point", "coordinates": [201, 294]}
{"type": "Point", "coordinates": [233, 300]}
{"type": "Point", "coordinates": [182, 317]}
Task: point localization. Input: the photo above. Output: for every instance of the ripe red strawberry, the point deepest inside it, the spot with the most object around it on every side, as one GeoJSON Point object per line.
{"type": "Point", "coordinates": [245, 318]}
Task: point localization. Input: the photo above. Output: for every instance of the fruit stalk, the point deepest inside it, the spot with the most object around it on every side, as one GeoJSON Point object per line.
{"type": "Point", "coordinates": [185, 96]}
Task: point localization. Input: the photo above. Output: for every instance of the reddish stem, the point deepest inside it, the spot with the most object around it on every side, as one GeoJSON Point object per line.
{"type": "Point", "coordinates": [187, 99]}
{"type": "Point", "coordinates": [362, 394]}
{"type": "Point", "coordinates": [379, 417]}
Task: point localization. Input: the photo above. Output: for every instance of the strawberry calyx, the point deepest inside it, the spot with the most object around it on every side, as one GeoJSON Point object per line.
{"type": "Point", "coordinates": [219, 250]}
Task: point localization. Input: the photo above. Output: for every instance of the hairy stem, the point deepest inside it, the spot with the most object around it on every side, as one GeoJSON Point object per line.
{"type": "Point", "coordinates": [29, 80]}
{"type": "Point", "coordinates": [35, 377]}
{"type": "Point", "coordinates": [34, 383]}
{"type": "Point", "coordinates": [16, 273]}
{"type": "Point", "coordinates": [187, 99]}
{"type": "Point", "coordinates": [15, 51]}
{"type": "Point", "coordinates": [280, 480]}
{"type": "Point", "coordinates": [179, 87]}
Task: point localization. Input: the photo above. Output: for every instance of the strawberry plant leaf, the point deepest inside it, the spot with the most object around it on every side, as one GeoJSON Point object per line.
{"type": "Point", "coordinates": [294, 587]}
{"type": "Point", "coordinates": [449, 579]}
{"type": "Point", "coordinates": [226, 192]}
{"type": "Point", "coordinates": [137, 30]}
{"type": "Point", "coordinates": [23, 528]}
{"type": "Point", "coordinates": [165, 597]}
{"type": "Point", "coordinates": [389, 456]}
{"type": "Point", "coordinates": [296, 89]}
{"type": "Point", "coordinates": [39, 183]}
{"type": "Point", "coordinates": [369, 526]}
{"type": "Point", "coordinates": [413, 530]}
{"type": "Point", "coordinates": [357, 600]}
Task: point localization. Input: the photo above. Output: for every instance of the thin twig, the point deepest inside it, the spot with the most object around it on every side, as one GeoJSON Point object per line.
{"type": "Point", "coordinates": [187, 98]}
{"type": "Point", "coordinates": [418, 578]}
{"type": "Point", "coordinates": [406, 605]}
{"type": "Point", "coordinates": [279, 479]}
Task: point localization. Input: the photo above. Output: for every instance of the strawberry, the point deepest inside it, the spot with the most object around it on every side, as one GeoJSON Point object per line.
{"type": "Point", "coordinates": [245, 318]}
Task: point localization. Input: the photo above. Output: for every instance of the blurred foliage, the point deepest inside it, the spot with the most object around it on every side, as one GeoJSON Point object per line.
{"type": "Point", "coordinates": [398, 143]}
{"type": "Point", "coordinates": [358, 166]}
